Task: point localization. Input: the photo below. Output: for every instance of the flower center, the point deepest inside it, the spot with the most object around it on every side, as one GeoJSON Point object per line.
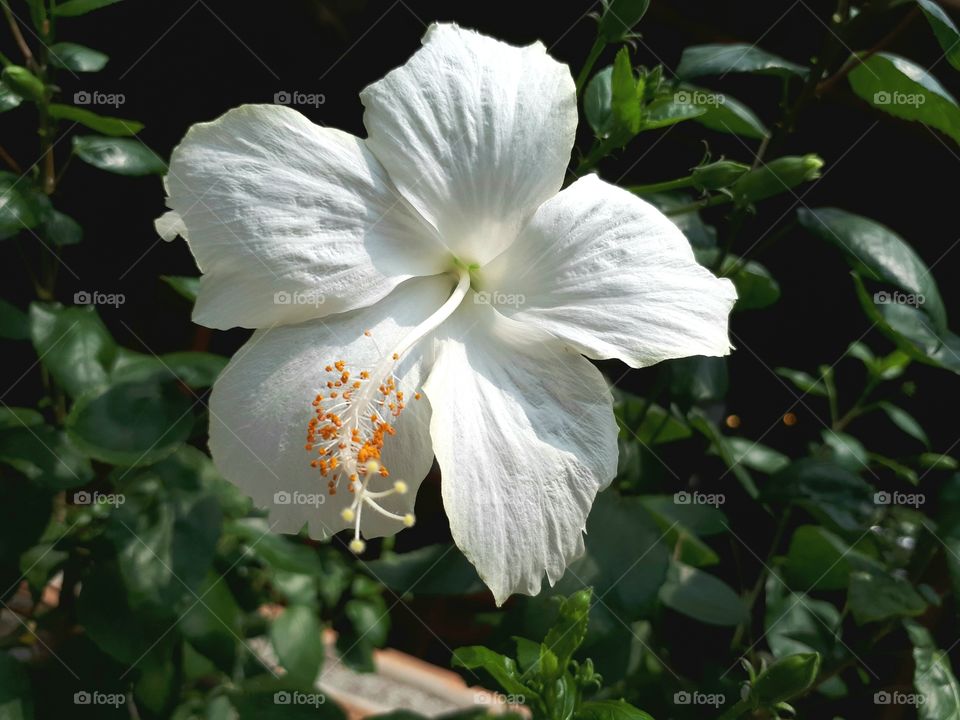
{"type": "Point", "coordinates": [355, 415]}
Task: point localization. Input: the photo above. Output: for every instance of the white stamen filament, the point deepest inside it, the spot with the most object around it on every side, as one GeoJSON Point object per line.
{"type": "Point", "coordinates": [364, 414]}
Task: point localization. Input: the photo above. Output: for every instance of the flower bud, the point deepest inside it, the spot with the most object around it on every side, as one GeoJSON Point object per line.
{"type": "Point", "coordinates": [23, 82]}
{"type": "Point", "coordinates": [717, 175]}
{"type": "Point", "coordinates": [777, 177]}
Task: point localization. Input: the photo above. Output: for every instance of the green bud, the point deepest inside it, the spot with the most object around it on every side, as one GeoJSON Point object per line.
{"type": "Point", "coordinates": [717, 175]}
{"type": "Point", "coordinates": [786, 678]}
{"type": "Point", "coordinates": [619, 17]}
{"type": "Point", "coordinates": [23, 82]}
{"type": "Point", "coordinates": [549, 666]}
{"type": "Point", "coordinates": [777, 176]}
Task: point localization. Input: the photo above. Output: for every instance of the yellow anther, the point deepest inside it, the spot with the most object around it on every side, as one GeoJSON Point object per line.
{"type": "Point", "coordinates": [409, 520]}
{"type": "Point", "coordinates": [357, 546]}
{"type": "Point", "coordinates": [348, 515]}
{"type": "Point", "coordinates": [400, 487]}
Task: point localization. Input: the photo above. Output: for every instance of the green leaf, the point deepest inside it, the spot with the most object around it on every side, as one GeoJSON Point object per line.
{"type": "Point", "coordinates": [45, 455]}
{"type": "Point", "coordinates": [131, 423]}
{"type": "Point", "coordinates": [944, 28]}
{"type": "Point", "coordinates": [8, 98]}
{"type": "Point", "coordinates": [786, 678]}
{"type": "Point", "coordinates": [698, 380]}
{"type": "Point", "coordinates": [296, 636]}
{"type": "Point", "coordinates": [804, 382]}
{"type": "Point", "coordinates": [186, 287]}
{"type": "Point", "coordinates": [905, 90]}
{"type": "Point", "coordinates": [122, 156]}
{"type": "Point", "coordinates": [369, 624]}
{"type": "Point", "coordinates": [194, 369]}
{"type": "Point", "coordinates": [165, 534]}
{"type": "Point", "coordinates": [75, 57]}
{"type": "Point", "coordinates": [877, 595]}
{"type": "Point", "coordinates": [74, 345]}
{"type": "Point", "coordinates": [827, 490]}
{"type": "Point", "coordinates": [798, 623]}
{"type": "Point", "coordinates": [214, 626]}
{"type": "Point", "coordinates": [700, 518]}
{"type": "Point", "coordinates": [725, 114]}
{"type": "Point", "coordinates": [14, 417]}
{"type": "Point", "coordinates": [108, 619]}
{"type": "Point", "coordinates": [116, 127]}
{"type": "Point", "coordinates": [756, 456]}
{"type": "Point", "coordinates": [654, 425]}
{"type": "Point", "coordinates": [666, 111]}
{"type": "Point", "coordinates": [72, 8]}
{"type": "Point", "coordinates": [933, 677]}
{"type": "Point", "coordinates": [277, 702]}
{"type": "Point", "coordinates": [610, 710]}
{"type": "Point", "coordinates": [878, 253]}
{"type": "Point", "coordinates": [681, 520]}
{"type": "Point", "coordinates": [432, 570]}
{"type": "Point", "coordinates": [756, 287]}
{"type": "Point", "coordinates": [23, 82]}
{"type": "Point", "coordinates": [701, 596]}
{"type": "Point", "coordinates": [625, 107]}
{"type": "Point", "coordinates": [16, 695]}
{"type": "Point", "coordinates": [627, 582]}
{"type": "Point", "coordinates": [503, 669]}
{"type": "Point", "coordinates": [619, 17]}
{"type": "Point", "coordinates": [596, 102]}
{"type": "Point", "coordinates": [819, 560]}
{"type": "Point", "coordinates": [61, 230]}
{"type": "Point", "coordinates": [906, 422]}
{"type": "Point", "coordinates": [22, 207]}
{"type": "Point", "coordinates": [699, 60]}
{"type": "Point", "coordinates": [720, 444]}
{"type": "Point", "coordinates": [570, 629]}
{"type": "Point", "coordinates": [845, 450]}
{"type": "Point", "coordinates": [911, 329]}
{"type": "Point", "coordinates": [275, 550]}
{"type": "Point", "coordinates": [14, 324]}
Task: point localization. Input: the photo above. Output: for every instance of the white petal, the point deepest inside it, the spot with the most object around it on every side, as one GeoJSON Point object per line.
{"type": "Point", "coordinates": [475, 133]}
{"type": "Point", "coordinates": [261, 404]}
{"type": "Point", "coordinates": [169, 226]}
{"type": "Point", "coordinates": [524, 432]}
{"type": "Point", "coordinates": [289, 220]}
{"type": "Point", "coordinates": [609, 273]}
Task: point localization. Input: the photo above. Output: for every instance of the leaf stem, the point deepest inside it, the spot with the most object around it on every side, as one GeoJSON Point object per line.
{"type": "Point", "coordinates": [665, 186]}
{"type": "Point", "coordinates": [598, 45]}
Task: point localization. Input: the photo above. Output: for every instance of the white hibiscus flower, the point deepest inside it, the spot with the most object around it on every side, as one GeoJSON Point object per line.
{"type": "Point", "coordinates": [437, 256]}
